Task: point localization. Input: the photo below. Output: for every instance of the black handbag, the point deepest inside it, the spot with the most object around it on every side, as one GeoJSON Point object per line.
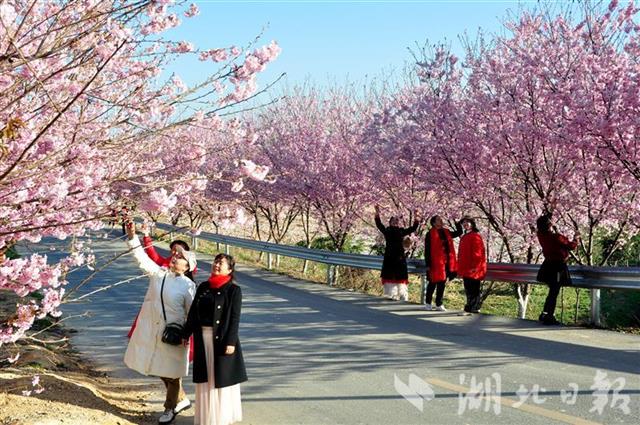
{"type": "Point", "coordinates": [172, 333]}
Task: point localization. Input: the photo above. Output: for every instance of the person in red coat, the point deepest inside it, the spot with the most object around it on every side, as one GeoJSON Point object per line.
{"type": "Point", "coordinates": [554, 272]}
{"type": "Point", "coordinates": [440, 259]}
{"type": "Point", "coordinates": [472, 263]}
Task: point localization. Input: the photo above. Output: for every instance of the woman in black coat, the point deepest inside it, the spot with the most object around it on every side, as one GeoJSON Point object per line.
{"type": "Point", "coordinates": [394, 274]}
{"type": "Point", "coordinates": [218, 366]}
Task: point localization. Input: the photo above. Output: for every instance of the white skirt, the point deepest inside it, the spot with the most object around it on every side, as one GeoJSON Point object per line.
{"type": "Point", "coordinates": [215, 406]}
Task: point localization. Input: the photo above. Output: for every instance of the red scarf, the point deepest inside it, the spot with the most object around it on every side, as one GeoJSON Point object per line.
{"type": "Point", "coordinates": [218, 280]}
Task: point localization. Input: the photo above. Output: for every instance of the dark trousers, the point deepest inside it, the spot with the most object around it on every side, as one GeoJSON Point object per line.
{"type": "Point", "coordinates": [439, 288]}
{"type": "Point", "coordinates": [552, 297]}
{"type": "Point", "coordinates": [175, 393]}
{"type": "Point", "coordinates": [472, 290]}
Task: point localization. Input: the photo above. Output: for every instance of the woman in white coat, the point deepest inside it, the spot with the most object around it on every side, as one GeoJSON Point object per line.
{"type": "Point", "coordinates": [146, 353]}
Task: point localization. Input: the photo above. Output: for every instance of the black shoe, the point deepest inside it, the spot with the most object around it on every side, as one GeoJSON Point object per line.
{"type": "Point", "coordinates": [542, 316]}
{"type": "Point", "coordinates": [550, 321]}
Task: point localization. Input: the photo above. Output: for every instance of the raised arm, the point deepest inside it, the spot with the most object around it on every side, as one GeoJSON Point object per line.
{"type": "Point", "coordinates": [413, 228]}
{"type": "Point", "coordinates": [147, 242]}
{"type": "Point", "coordinates": [143, 260]}
{"type": "Point", "coordinates": [379, 224]}
{"type": "Point", "coordinates": [458, 231]}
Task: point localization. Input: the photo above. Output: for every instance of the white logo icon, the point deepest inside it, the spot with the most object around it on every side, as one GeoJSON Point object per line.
{"type": "Point", "coordinates": [416, 392]}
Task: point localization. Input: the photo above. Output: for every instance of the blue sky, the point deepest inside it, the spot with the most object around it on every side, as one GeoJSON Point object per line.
{"type": "Point", "coordinates": [334, 41]}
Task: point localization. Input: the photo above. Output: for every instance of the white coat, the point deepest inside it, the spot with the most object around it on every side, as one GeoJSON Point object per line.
{"type": "Point", "coordinates": [146, 353]}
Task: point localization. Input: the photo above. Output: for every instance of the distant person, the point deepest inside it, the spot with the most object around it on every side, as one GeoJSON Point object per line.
{"type": "Point", "coordinates": [394, 274]}
{"type": "Point", "coordinates": [167, 301]}
{"type": "Point", "coordinates": [440, 259]}
{"type": "Point", "coordinates": [125, 218]}
{"type": "Point", "coordinates": [472, 263]}
{"type": "Point", "coordinates": [553, 271]}
{"type": "Point", "coordinates": [218, 365]}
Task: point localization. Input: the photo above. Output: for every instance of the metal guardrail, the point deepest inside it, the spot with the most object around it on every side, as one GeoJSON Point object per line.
{"type": "Point", "coordinates": [582, 276]}
{"type": "Point", "coordinates": [593, 278]}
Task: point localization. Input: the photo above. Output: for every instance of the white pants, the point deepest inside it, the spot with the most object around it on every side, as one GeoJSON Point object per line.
{"type": "Point", "coordinates": [396, 291]}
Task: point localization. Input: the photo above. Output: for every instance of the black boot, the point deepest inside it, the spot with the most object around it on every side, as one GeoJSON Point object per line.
{"type": "Point", "coordinates": [550, 320]}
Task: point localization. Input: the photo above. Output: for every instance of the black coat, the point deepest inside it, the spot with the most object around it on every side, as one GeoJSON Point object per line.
{"type": "Point", "coordinates": [225, 320]}
{"type": "Point", "coordinates": [394, 265]}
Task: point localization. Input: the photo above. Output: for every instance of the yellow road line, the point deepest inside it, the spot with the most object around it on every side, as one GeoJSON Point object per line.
{"type": "Point", "coordinates": [536, 410]}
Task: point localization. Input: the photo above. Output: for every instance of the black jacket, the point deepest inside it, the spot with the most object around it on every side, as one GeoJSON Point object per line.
{"type": "Point", "coordinates": [394, 265]}
{"type": "Point", "coordinates": [220, 309]}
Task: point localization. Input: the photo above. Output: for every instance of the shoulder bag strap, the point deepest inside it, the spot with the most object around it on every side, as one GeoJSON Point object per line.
{"type": "Point", "coordinates": [162, 300]}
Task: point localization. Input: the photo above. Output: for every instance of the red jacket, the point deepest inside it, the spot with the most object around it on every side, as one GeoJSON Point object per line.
{"type": "Point", "coordinates": [472, 258]}
{"type": "Point", "coordinates": [437, 255]}
{"type": "Point", "coordinates": [147, 243]}
{"type": "Point", "coordinates": [555, 246]}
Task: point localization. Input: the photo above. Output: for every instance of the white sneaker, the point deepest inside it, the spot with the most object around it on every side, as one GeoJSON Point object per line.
{"type": "Point", "coordinates": [167, 417]}
{"type": "Point", "coordinates": [428, 307]}
{"type": "Point", "coordinates": [182, 405]}
{"type": "Point", "coordinates": [440, 308]}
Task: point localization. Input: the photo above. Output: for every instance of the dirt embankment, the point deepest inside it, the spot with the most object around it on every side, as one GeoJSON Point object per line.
{"type": "Point", "coordinates": [72, 391]}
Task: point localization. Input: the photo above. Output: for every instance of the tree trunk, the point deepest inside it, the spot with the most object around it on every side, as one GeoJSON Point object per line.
{"type": "Point", "coordinates": [523, 291]}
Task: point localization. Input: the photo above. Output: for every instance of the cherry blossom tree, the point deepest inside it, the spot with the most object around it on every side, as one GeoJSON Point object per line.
{"type": "Point", "coordinates": [87, 125]}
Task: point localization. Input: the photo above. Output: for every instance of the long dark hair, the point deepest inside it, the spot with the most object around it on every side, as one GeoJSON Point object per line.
{"type": "Point", "coordinates": [543, 223]}
{"type": "Point", "coordinates": [230, 261]}
{"type": "Point", "coordinates": [181, 243]}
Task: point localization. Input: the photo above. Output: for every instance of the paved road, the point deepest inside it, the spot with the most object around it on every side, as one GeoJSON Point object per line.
{"type": "Point", "coordinates": [318, 355]}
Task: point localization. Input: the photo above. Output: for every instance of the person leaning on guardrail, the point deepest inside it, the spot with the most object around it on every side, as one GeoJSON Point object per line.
{"type": "Point", "coordinates": [472, 263]}
{"type": "Point", "coordinates": [553, 271]}
{"type": "Point", "coordinates": [394, 274]}
{"type": "Point", "coordinates": [440, 259]}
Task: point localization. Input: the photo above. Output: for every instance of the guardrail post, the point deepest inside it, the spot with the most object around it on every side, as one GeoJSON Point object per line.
{"type": "Point", "coordinates": [331, 269]}
{"type": "Point", "coordinates": [226, 249]}
{"type": "Point", "coordinates": [194, 242]}
{"type": "Point", "coordinates": [595, 307]}
{"type": "Point", "coordinates": [269, 261]}
{"type": "Point", "coordinates": [423, 288]}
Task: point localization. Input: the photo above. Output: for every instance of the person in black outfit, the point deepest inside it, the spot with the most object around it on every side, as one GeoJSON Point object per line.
{"type": "Point", "coordinates": [394, 274]}
{"type": "Point", "coordinates": [218, 365]}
